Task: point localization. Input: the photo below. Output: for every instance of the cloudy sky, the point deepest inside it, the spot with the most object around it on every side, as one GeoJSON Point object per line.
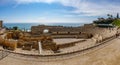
{"type": "Point", "coordinates": [56, 11]}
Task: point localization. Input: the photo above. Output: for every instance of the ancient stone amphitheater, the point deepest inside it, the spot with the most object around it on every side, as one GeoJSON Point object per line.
{"type": "Point", "coordinates": [102, 48]}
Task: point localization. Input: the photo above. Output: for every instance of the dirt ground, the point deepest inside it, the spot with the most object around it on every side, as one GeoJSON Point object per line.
{"type": "Point", "coordinates": [108, 55]}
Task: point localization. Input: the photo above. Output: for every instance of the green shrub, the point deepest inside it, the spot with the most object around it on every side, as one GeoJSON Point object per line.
{"type": "Point", "coordinates": [116, 22]}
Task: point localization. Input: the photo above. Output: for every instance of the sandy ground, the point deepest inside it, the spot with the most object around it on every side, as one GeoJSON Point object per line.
{"type": "Point", "coordinates": [78, 46]}
{"type": "Point", "coordinates": [108, 55]}
{"type": "Point", "coordinates": [65, 40]}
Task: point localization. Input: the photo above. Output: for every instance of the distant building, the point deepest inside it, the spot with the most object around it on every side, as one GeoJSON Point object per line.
{"type": "Point", "coordinates": [1, 23]}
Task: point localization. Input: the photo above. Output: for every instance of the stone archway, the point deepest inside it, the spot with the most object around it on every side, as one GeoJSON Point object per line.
{"type": "Point", "coordinates": [46, 31]}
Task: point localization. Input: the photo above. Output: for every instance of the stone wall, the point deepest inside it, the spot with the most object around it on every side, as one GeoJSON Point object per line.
{"type": "Point", "coordinates": [56, 29]}
{"type": "Point", "coordinates": [104, 32]}
{"type": "Point", "coordinates": [88, 29]}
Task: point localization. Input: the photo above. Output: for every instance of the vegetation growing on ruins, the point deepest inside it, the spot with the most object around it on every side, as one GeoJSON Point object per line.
{"type": "Point", "coordinates": [103, 21]}
{"type": "Point", "coordinates": [15, 28]}
{"type": "Point", "coordinates": [110, 20]}
{"type": "Point", "coordinates": [116, 22]}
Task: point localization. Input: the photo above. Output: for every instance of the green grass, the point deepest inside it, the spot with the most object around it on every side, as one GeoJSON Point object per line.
{"type": "Point", "coordinates": [116, 22]}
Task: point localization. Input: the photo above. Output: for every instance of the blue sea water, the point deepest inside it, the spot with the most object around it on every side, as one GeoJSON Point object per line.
{"type": "Point", "coordinates": [27, 26]}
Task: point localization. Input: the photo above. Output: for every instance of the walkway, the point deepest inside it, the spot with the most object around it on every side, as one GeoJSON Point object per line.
{"type": "Point", "coordinates": [109, 55]}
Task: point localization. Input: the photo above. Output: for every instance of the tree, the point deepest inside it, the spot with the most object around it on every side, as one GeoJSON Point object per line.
{"type": "Point", "coordinates": [15, 28]}
{"type": "Point", "coordinates": [110, 16]}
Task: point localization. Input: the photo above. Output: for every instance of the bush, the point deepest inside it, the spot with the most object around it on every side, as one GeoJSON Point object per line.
{"type": "Point", "coordinates": [15, 28]}
{"type": "Point", "coordinates": [116, 22]}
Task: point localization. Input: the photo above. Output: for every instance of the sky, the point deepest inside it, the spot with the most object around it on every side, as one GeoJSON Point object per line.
{"type": "Point", "coordinates": [56, 11]}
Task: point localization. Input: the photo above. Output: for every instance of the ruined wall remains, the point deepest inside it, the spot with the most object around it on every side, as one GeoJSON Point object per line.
{"type": "Point", "coordinates": [1, 23]}
{"type": "Point", "coordinates": [55, 29]}
{"type": "Point", "coordinates": [88, 28]}
{"type": "Point", "coordinates": [2, 30]}
{"type": "Point", "coordinates": [104, 32]}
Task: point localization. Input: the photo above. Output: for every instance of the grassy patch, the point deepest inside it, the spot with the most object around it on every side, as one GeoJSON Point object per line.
{"type": "Point", "coordinates": [116, 22]}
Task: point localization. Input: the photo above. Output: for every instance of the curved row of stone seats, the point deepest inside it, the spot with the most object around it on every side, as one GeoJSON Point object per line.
{"type": "Point", "coordinates": [104, 32]}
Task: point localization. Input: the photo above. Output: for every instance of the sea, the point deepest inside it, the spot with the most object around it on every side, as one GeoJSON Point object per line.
{"type": "Point", "coordinates": [28, 26]}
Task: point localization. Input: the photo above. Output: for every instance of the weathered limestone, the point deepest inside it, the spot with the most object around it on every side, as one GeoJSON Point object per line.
{"type": "Point", "coordinates": [54, 29]}
{"type": "Point", "coordinates": [1, 23]}
{"type": "Point", "coordinates": [40, 47]}
{"type": "Point", "coordinates": [97, 38]}
{"type": "Point", "coordinates": [84, 32]}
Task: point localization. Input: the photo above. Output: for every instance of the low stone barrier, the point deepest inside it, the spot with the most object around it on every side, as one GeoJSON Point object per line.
{"type": "Point", "coordinates": [65, 45]}
{"type": "Point", "coordinates": [70, 36]}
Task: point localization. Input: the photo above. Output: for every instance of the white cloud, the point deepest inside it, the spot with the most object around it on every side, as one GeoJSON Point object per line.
{"type": "Point", "coordinates": [82, 6]}
{"type": "Point", "coordinates": [65, 20]}
{"type": "Point", "coordinates": [93, 9]}
{"type": "Point", "coordinates": [34, 1]}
